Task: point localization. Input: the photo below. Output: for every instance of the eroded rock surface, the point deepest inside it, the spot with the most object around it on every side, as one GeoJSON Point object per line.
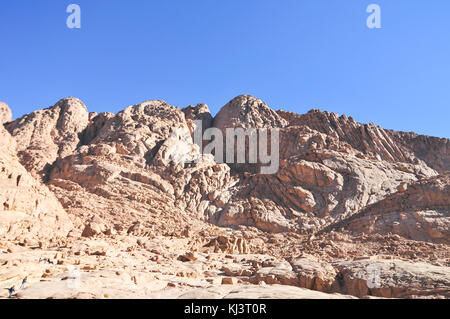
{"type": "Point", "coordinates": [420, 210]}
{"type": "Point", "coordinates": [29, 212]}
{"type": "Point", "coordinates": [46, 135]}
{"type": "Point", "coordinates": [131, 202]}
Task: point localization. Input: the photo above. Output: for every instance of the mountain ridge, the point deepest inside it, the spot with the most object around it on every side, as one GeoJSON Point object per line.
{"type": "Point", "coordinates": [117, 180]}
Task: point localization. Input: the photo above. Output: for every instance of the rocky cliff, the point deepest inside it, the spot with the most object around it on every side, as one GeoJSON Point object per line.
{"type": "Point", "coordinates": [29, 212]}
{"type": "Point", "coordinates": [343, 191]}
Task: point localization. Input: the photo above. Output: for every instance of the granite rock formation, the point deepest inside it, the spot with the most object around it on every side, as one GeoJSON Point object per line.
{"type": "Point", "coordinates": [130, 199]}
{"type": "Point", "coordinates": [29, 212]}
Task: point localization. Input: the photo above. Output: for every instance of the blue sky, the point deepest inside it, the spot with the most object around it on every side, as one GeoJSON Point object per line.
{"type": "Point", "coordinates": [294, 55]}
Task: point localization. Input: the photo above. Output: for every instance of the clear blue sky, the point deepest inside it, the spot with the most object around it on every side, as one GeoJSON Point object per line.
{"type": "Point", "coordinates": [294, 55]}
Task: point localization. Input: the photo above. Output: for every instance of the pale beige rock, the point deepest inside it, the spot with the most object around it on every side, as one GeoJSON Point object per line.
{"type": "Point", "coordinates": [376, 142]}
{"type": "Point", "coordinates": [420, 212]}
{"type": "Point", "coordinates": [145, 205]}
{"type": "Point", "coordinates": [29, 212]}
{"type": "Point", "coordinates": [314, 275]}
{"type": "Point", "coordinates": [228, 245]}
{"type": "Point", "coordinates": [392, 279]}
{"type": "Point", "coordinates": [45, 135]}
{"type": "Point", "coordinates": [5, 113]}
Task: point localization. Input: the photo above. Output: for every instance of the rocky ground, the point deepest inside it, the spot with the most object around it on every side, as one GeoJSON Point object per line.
{"type": "Point", "coordinates": [96, 206]}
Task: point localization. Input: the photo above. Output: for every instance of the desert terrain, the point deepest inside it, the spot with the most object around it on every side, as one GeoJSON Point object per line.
{"type": "Point", "coordinates": [94, 206]}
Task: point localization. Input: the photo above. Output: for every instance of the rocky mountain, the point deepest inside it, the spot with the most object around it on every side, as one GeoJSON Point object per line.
{"type": "Point", "coordinates": [131, 193]}
{"type": "Point", "coordinates": [45, 135]}
{"type": "Point", "coordinates": [29, 212]}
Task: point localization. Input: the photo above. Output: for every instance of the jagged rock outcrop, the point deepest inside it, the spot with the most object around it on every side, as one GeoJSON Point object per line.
{"type": "Point", "coordinates": [144, 159]}
{"type": "Point", "coordinates": [434, 151]}
{"type": "Point", "coordinates": [367, 138]}
{"type": "Point", "coordinates": [375, 142]}
{"type": "Point", "coordinates": [96, 226]}
{"type": "Point", "coordinates": [29, 212]}
{"type": "Point", "coordinates": [5, 113]}
{"type": "Point", "coordinates": [330, 168]}
{"type": "Point", "coordinates": [313, 274]}
{"type": "Point", "coordinates": [145, 204]}
{"type": "Point", "coordinates": [140, 164]}
{"type": "Point", "coordinates": [46, 135]}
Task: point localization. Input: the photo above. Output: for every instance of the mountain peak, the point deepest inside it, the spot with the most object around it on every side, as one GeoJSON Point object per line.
{"type": "Point", "coordinates": [247, 111]}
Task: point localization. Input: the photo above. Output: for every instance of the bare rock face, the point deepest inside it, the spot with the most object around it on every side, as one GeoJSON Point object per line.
{"type": "Point", "coordinates": [432, 150]}
{"type": "Point", "coordinates": [45, 135]}
{"type": "Point", "coordinates": [139, 130]}
{"type": "Point", "coordinates": [368, 138]}
{"type": "Point", "coordinates": [392, 279]}
{"type": "Point", "coordinates": [138, 165]}
{"type": "Point", "coordinates": [198, 113]}
{"type": "Point", "coordinates": [5, 113]}
{"type": "Point", "coordinates": [330, 168]}
{"type": "Point", "coordinates": [96, 123]}
{"type": "Point", "coordinates": [419, 212]}
{"type": "Point", "coordinates": [29, 212]}
{"type": "Point", "coordinates": [143, 159]}
{"type": "Point", "coordinates": [314, 275]}
{"type": "Point", "coordinates": [375, 142]}
{"type": "Point", "coordinates": [247, 112]}
{"type": "Point", "coordinates": [149, 210]}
